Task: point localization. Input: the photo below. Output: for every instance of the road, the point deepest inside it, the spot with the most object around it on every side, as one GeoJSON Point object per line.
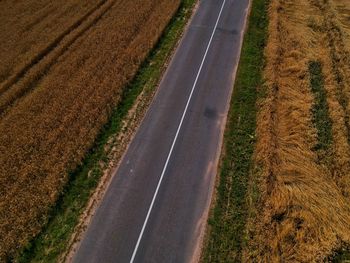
{"type": "Point", "coordinates": [156, 207]}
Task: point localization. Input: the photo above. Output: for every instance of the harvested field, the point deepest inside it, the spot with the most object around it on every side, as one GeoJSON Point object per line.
{"type": "Point", "coordinates": [58, 88]}
{"type": "Point", "coordinates": [302, 154]}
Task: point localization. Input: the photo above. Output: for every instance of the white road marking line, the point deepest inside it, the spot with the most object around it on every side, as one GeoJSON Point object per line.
{"type": "Point", "coordinates": [175, 138]}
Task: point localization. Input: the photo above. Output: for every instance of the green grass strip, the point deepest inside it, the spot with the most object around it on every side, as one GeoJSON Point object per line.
{"type": "Point", "coordinates": [228, 219]}
{"type": "Point", "coordinates": [320, 113]}
{"type": "Point", "coordinates": [54, 239]}
{"type": "Point", "coordinates": [341, 256]}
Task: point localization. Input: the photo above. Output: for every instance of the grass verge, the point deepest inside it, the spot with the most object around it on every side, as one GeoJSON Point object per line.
{"type": "Point", "coordinates": [54, 238]}
{"type": "Point", "coordinates": [228, 218]}
{"type": "Point", "coordinates": [320, 113]}
{"type": "Point", "coordinates": [341, 256]}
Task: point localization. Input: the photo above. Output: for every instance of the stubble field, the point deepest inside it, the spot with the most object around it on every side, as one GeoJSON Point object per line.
{"type": "Point", "coordinates": [63, 68]}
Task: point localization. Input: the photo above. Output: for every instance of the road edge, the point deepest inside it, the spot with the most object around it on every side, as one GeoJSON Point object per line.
{"type": "Point", "coordinates": [240, 127]}
{"type": "Point", "coordinates": [204, 235]}
{"type": "Point", "coordinates": [139, 108]}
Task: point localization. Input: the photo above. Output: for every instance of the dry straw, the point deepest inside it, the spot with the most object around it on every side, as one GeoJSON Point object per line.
{"type": "Point", "coordinates": [304, 197]}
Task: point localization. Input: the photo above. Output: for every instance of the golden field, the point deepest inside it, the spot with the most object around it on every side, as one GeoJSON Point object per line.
{"type": "Point", "coordinates": [302, 156]}
{"type": "Point", "coordinates": [63, 66]}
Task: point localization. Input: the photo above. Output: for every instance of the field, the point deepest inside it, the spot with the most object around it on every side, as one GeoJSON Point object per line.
{"type": "Point", "coordinates": [288, 199]}
{"type": "Point", "coordinates": [302, 152]}
{"type": "Point", "coordinates": [58, 87]}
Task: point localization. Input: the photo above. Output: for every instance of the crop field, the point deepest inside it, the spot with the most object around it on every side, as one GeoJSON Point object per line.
{"type": "Point", "coordinates": [63, 67]}
{"type": "Point", "coordinates": [302, 155]}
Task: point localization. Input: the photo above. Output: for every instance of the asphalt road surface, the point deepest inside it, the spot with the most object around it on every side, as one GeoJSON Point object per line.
{"type": "Point", "coordinates": [156, 207]}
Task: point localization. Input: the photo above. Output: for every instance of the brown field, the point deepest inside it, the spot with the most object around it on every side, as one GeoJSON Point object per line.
{"type": "Point", "coordinates": [303, 213]}
{"type": "Point", "coordinates": [63, 65]}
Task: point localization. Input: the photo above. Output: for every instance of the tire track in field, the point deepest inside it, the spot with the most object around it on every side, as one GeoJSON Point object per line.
{"type": "Point", "coordinates": [25, 79]}
{"type": "Point", "coordinates": [45, 12]}
{"type": "Point", "coordinates": [89, 95]}
{"type": "Point", "coordinates": [12, 80]}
